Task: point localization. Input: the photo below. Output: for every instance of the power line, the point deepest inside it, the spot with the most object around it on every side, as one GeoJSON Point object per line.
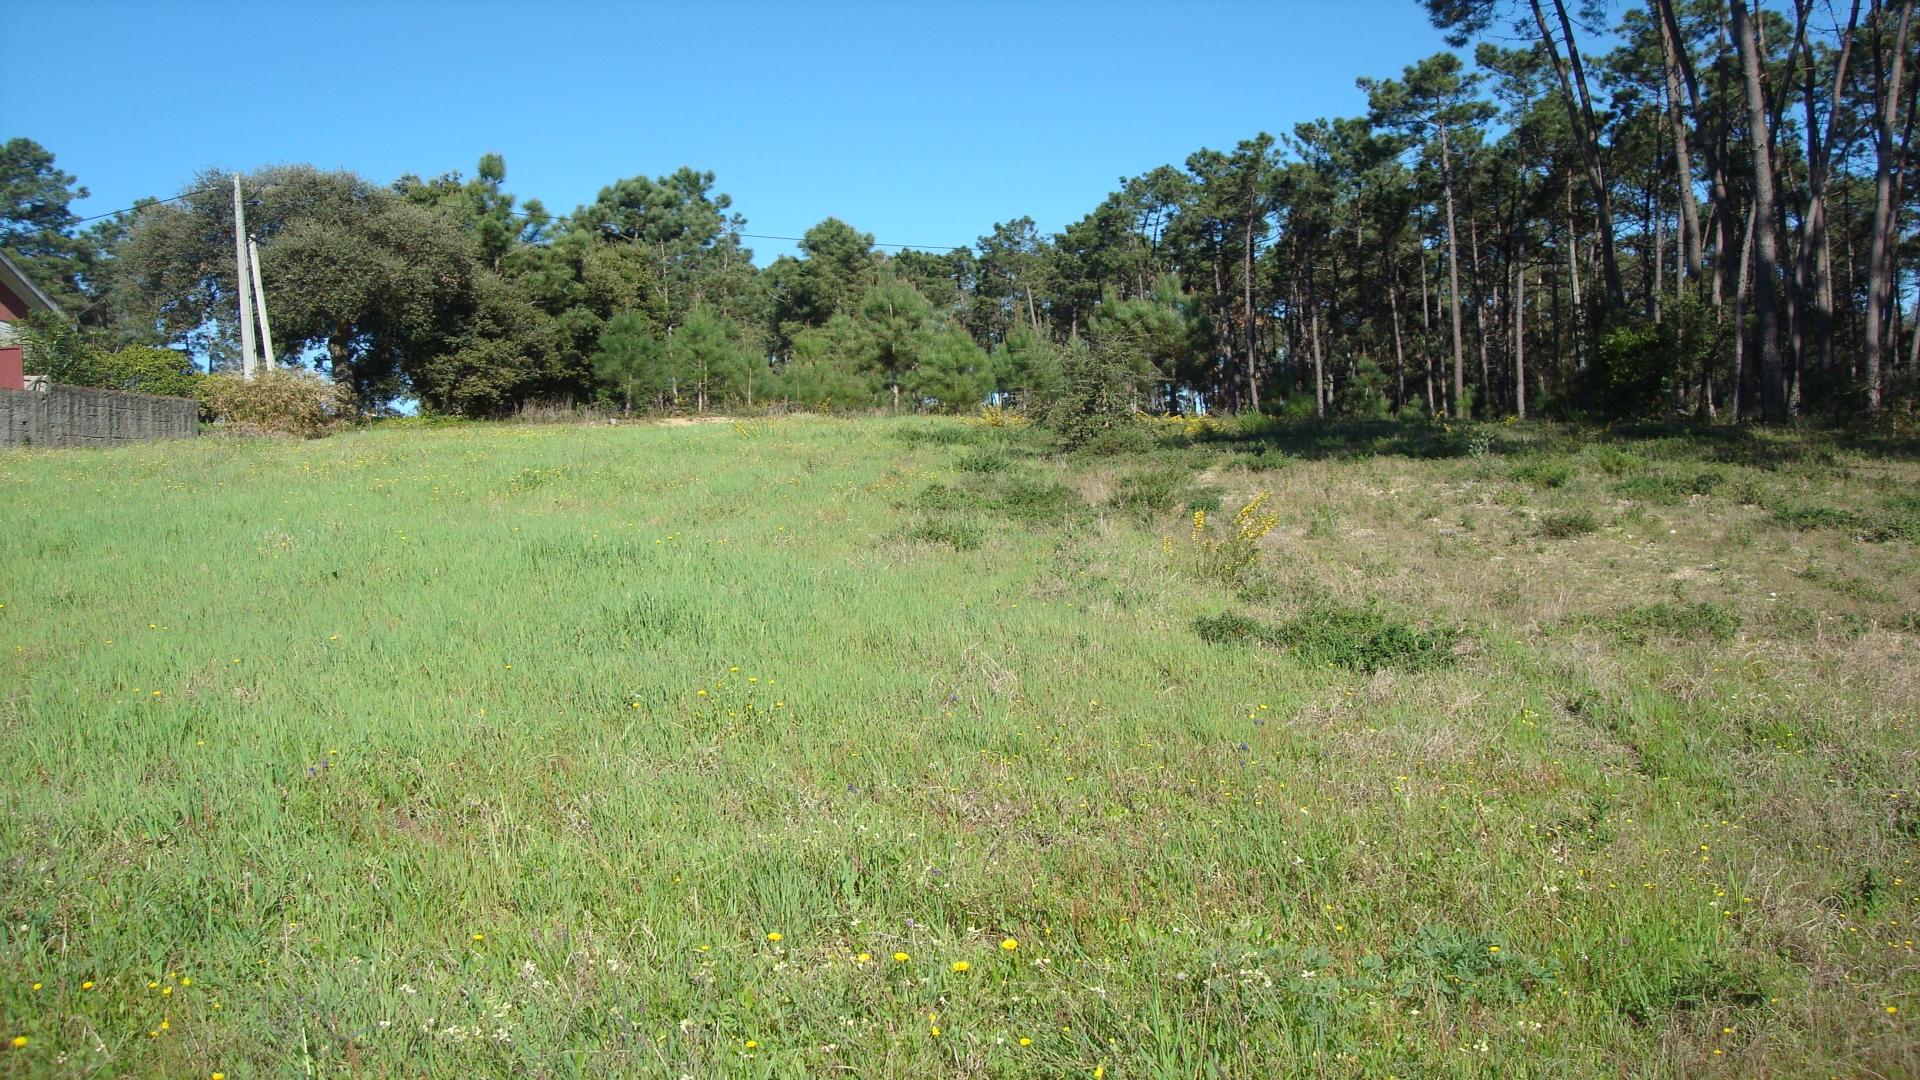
{"type": "Point", "coordinates": [131, 209]}
{"type": "Point", "coordinates": [523, 213]}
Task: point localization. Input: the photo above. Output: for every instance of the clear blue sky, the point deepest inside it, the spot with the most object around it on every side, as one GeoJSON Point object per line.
{"type": "Point", "coordinates": [918, 122]}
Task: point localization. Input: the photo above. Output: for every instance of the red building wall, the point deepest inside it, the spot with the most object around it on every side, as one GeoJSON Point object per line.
{"type": "Point", "coordinates": [12, 307]}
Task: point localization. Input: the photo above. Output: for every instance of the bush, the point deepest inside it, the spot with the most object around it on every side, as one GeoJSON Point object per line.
{"type": "Point", "coordinates": [63, 353]}
{"type": "Point", "coordinates": [1565, 524]}
{"type": "Point", "coordinates": [277, 402]}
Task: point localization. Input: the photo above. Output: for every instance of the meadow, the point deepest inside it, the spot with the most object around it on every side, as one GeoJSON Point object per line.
{"type": "Point", "coordinates": [907, 747]}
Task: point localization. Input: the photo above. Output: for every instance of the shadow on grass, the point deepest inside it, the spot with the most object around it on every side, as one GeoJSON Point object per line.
{"type": "Point", "coordinates": [1757, 447]}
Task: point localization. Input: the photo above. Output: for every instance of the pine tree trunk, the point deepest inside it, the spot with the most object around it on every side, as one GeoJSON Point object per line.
{"type": "Point", "coordinates": [1520, 339]}
{"type": "Point", "coordinates": [1691, 247]}
{"type": "Point", "coordinates": [1586, 135]}
{"type": "Point", "coordinates": [1453, 275]}
{"type": "Point", "coordinates": [1766, 260]}
{"type": "Point", "coordinates": [1880, 263]}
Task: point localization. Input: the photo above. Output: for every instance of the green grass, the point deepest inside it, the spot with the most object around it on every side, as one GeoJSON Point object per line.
{"type": "Point", "coordinates": [504, 750]}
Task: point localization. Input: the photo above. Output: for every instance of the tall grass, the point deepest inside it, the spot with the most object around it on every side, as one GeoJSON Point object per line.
{"type": "Point", "coordinates": [555, 751]}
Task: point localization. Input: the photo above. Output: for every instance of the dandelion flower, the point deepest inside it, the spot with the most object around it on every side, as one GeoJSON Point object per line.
{"type": "Point", "coordinates": [899, 958]}
{"type": "Point", "coordinates": [961, 966]}
{"type": "Point", "coordinates": [36, 986]}
{"type": "Point", "coordinates": [1493, 948]}
{"type": "Point", "coordinates": [219, 1076]}
{"type": "Point", "coordinates": [863, 958]}
{"type": "Point", "coordinates": [775, 935]}
{"type": "Point", "coordinates": [19, 1042]}
{"type": "Point", "coordinates": [88, 985]}
{"type": "Point", "coordinates": [1024, 1041]}
{"type": "Point", "coordinates": [1891, 1009]}
{"type": "Point", "coordinates": [479, 937]}
{"type": "Point", "coordinates": [752, 1045]}
{"type": "Point", "coordinates": [1009, 944]}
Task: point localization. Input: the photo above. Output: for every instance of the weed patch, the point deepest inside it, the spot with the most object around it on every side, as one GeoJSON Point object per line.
{"type": "Point", "coordinates": [1637, 624]}
{"type": "Point", "coordinates": [1357, 638]}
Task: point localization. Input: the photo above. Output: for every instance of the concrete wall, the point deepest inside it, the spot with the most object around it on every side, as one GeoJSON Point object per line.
{"type": "Point", "coordinates": [80, 416]}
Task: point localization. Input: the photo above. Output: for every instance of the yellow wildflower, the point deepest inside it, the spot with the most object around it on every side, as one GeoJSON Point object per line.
{"type": "Point", "coordinates": [1009, 944]}
{"type": "Point", "coordinates": [961, 966]}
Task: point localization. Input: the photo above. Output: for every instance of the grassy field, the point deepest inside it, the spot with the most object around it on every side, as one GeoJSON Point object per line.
{"type": "Point", "coordinates": [902, 748]}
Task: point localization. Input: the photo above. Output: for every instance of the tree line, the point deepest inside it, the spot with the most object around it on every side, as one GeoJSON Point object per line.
{"type": "Point", "coordinates": [1697, 209]}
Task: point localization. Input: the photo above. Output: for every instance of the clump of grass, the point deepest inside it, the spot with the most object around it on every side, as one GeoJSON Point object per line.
{"type": "Point", "coordinates": [1035, 501]}
{"type": "Point", "coordinates": [1160, 490]}
{"type": "Point", "coordinates": [1329, 635]}
{"type": "Point", "coordinates": [1566, 524]}
{"type": "Point", "coordinates": [1704, 619]}
{"type": "Point", "coordinates": [1543, 472]}
{"type": "Point", "coordinates": [1891, 522]}
{"type": "Point", "coordinates": [984, 462]}
{"type": "Point", "coordinates": [1842, 583]}
{"type": "Point", "coordinates": [1668, 488]}
{"type": "Point", "coordinates": [1617, 462]}
{"type": "Point", "coordinates": [958, 535]}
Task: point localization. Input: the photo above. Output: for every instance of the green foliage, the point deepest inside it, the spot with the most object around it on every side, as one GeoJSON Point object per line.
{"type": "Point", "coordinates": [1027, 370]}
{"type": "Point", "coordinates": [1640, 368]}
{"type": "Point", "coordinates": [631, 361]}
{"type": "Point", "coordinates": [1364, 396]}
{"type": "Point", "coordinates": [38, 227]}
{"type": "Point", "coordinates": [278, 402]}
{"type": "Point", "coordinates": [951, 373]}
{"type": "Point", "coordinates": [1100, 384]}
{"type": "Point", "coordinates": [63, 353]}
{"type": "Point", "coordinates": [709, 364]}
{"type": "Point", "coordinates": [1327, 635]}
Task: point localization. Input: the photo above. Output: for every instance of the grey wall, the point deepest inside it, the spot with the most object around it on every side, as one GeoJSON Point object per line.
{"type": "Point", "coordinates": [80, 416]}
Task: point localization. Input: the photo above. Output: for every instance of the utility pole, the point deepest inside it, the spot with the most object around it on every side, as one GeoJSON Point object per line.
{"type": "Point", "coordinates": [260, 301]}
{"type": "Point", "coordinates": [241, 274]}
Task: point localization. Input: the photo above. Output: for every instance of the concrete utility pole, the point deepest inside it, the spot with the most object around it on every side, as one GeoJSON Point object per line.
{"type": "Point", "coordinates": [241, 276]}
{"type": "Point", "coordinates": [260, 301]}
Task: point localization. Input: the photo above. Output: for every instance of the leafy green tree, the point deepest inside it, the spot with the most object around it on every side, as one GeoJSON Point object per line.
{"type": "Point", "coordinates": [501, 352]}
{"type": "Point", "coordinates": [1027, 370]}
{"type": "Point", "coordinates": [382, 284]}
{"type": "Point", "coordinates": [37, 224]}
{"type": "Point", "coordinates": [824, 368]}
{"type": "Point", "coordinates": [837, 267]}
{"type": "Point", "coordinates": [950, 373]}
{"type": "Point", "coordinates": [484, 206]}
{"type": "Point", "coordinates": [892, 315]}
{"type": "Point", "coordinates": [632, 361]}
{"type": "Point", "coordinates": [709, 365]}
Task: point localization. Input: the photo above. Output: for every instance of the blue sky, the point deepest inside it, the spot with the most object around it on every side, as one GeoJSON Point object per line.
{"type": "Point", "coordinates": [920, 123]}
